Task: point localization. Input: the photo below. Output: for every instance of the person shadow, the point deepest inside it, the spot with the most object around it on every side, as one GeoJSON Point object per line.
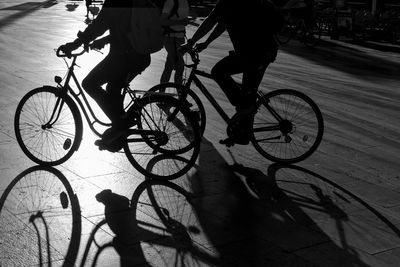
{"type": "Point", "coordinates": [297, 195]}
{"type": "Point", "coordinates": [287, 216]}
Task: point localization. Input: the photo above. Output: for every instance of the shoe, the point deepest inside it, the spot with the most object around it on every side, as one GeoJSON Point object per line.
{"type": "Point", "coordinates": [239, 127]}
{"type": "Point", "coordinates": [113, 139]}
{"type": "Point", "coordinates": [243, 113]}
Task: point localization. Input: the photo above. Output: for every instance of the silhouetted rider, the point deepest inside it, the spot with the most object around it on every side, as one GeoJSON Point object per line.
{"type": "Point", "coordinates": [121, 62]}
{"type": "Point", "coordinates": [254, 46]}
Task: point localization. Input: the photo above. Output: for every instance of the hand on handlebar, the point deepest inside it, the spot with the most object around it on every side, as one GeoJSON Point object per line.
{"type": "Point", "coordinates": [98, 44]}
{"type": "Point", "coordinates": [201, 46]}
{"type": "Point", "coordinates": [69, 47]}
{"type": "Point", "coordinates": [185, 48]}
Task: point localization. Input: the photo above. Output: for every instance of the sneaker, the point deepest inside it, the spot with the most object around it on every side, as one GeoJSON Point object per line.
{"type": "Point", "coordinates": [113, 139]}
{"type": "Point", "coordinates": [242, 113]}
{"type": "Point", "coordinates": [239, 128]}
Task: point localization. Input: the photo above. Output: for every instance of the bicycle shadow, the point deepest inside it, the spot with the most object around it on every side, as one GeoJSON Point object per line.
{"type": "Point", "coordinates": [148, 229]}
{"type": "Point", "coordinates": [346, 59]}
{"type": "Point", "coordinates": [37, 206]}
{"type": "Point", "coordinates": [269, 219]}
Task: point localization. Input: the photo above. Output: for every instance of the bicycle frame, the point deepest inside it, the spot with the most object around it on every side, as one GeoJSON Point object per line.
{"type": "Point", "coordinates": [193, 78]}
{"type": "Point", "coordinates": [85, 106]}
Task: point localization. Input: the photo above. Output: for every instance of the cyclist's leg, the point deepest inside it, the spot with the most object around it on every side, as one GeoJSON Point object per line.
{"type": "Point", "coordinates": [92, 83]}
{"type": "Point", "coordinates": [222, 73]}
{"type": "Point", "coordinates": [250, 82]}
{"type": "Point", "coordinates": [168, 66]}
{"type": "Point", "coordinates": [123, 65]}
{"type": "Point", "coordinates": [178, 64]}
{"type": "Point", "coordinates": [240, 124]}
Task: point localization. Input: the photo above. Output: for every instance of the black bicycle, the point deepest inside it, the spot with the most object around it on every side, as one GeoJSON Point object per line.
{"type": "Point", "coordinates": [49, 127]}
{"type": "Point", "coordinates": [287, 125]}
{"type": "Point", "coordinates": [308, 33]}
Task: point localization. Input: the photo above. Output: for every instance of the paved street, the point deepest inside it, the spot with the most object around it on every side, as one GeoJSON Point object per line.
{"type": "Point", "coordinates": [340, 207]}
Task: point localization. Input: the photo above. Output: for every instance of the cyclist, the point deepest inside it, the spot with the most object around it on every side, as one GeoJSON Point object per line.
{"type": "Point", "coordinates": [121, 62]}
{"type": "Point", "coordinates": [252, 34]}
{"type": "Point", "coordinates": [176, 12]}
{"type": "Point", "coordinates": [301, 9]}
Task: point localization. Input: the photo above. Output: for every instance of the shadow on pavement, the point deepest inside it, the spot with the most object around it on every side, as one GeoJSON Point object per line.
{"type": "Point", "coordinates": [40, 219]}
{"type": "Point", "coordinates": [290, 216]}
{"type": "Point", "coordinates": [157, 227]}
{"type": "Point", "coordinates": [224, 215]}
{"type": "Point", "coordinates": [347, 59]}
{"type": "Point", "coordinates": [24, 10]}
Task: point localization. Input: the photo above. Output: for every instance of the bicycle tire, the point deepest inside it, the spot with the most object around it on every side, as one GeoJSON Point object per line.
{"type": "Point", "coordinates": [177, 156]}
{"type": "Point", "coordinates": [195, 104]}
{"type": "Point", "coordinates": [51, 146]}
{"type": "Point", "coordinates": [167, 210]}
{"type": "Point", "coordinates": [43, 191]}
{"type": "Point", "coordinates": [303, 122]}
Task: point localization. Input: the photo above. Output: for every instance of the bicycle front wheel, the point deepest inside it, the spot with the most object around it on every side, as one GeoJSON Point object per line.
{"type": "Point", "coordinates": [48, 127]}
{"type": "Point", "coordinates": [172, 144]}
{"type": "Point", "coordinates": [194, 103]}
{"type": "Point", "coordinates": [288, 126]}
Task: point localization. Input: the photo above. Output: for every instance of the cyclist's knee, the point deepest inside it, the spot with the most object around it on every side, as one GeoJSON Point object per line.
{"type": "Point", "coordinates": [89, 85]}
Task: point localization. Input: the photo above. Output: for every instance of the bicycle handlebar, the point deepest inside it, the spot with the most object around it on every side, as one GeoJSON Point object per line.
{"type": "Point", "coordinates": [60, 53]}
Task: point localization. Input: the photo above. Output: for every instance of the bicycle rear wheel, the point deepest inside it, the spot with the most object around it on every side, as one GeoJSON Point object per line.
{"type": "Point", "coordinates": [296, 136]}
{"type": "Point", "coordinates": [43, 141]}
{"type": "Point", "coordinates": [195, 105]}
{"type": "Point", "coordinates": [174, 150]}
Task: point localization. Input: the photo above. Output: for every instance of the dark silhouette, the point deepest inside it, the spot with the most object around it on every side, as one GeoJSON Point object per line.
{"type": "Point", "coordinates": [176, 12]}
{"type": "Point", "coordinates": [251, 28]}
{"type": "Point", "coordinates": [118, 68]}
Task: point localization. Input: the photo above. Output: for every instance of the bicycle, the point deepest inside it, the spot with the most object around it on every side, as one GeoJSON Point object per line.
{"type": "Point", "coordinates": [49, 126]}
{"type": "Point", "coordinates": [287, 126]}
{"type": "Point", "coordinates": [308, 33]}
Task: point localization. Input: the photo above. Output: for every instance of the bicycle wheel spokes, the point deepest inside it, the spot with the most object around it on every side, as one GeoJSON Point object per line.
{"type": "Point", "coordinates": [177, 238]}
{"type": "Point", "coordinates": [191, 100]}
{"type": "Point", "coordinates": [44, 141]}
{"type": "Point", "coordinates": [296, 136]}
{"type": "Point", "coordinates": [40, 219]}
{"type": "Point", "coordinates": [175, 147]}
